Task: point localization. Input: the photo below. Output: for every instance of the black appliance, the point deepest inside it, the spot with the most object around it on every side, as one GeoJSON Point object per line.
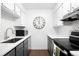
{"type": "Point", "coordinates": [74, 39]}
{"type": "Point", "coordinates": [20, 33]}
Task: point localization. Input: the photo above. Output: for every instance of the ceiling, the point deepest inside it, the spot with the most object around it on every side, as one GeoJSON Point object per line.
{"type": "Point", "coordinates": [39, 5]}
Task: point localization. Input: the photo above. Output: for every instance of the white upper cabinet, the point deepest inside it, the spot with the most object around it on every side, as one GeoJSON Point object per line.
{"type": "Point", "coordinates": [62, 10]}
{"type": "Point", "coordinates": [10, 10]}
{"type": "Point", "coordinates": [9, 6]}
{"type": "Point", "coordinates": [74, 6]}
{"type": "Point", "coordinates": [66, 8]}
{"type": "Point", "coordinates": [58, 15]}
{"type": "Point", "coordinates": [17, 10]}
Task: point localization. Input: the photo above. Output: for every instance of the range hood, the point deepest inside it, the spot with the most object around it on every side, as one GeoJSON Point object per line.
{"type": "Point", "coordinates": [72, 16]}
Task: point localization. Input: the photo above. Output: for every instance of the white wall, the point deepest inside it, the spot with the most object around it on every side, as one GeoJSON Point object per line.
{"type": "Point", "coordinates": [39, 36]}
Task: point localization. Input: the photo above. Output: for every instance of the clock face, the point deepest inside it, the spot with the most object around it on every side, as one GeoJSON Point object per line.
{"type": "Point", "coordinates": [39, 22]}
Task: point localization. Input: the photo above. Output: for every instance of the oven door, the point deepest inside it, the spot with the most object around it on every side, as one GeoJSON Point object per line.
{"type": "Point", "coordinates": [58, 51]}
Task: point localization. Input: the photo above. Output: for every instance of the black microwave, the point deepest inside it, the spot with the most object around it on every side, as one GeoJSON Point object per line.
{"type": "Point", "coordinates": [19, 32]}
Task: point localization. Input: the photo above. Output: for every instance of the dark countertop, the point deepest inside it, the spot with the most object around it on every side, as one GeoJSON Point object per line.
{"type": "Point", "coordinates": [64, 44]}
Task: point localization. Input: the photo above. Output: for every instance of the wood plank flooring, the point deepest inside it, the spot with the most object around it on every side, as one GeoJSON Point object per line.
{"type": "Point", "coordinates": [39, 53]}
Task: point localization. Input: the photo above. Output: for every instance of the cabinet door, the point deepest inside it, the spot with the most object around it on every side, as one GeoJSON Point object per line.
{"type": "Point", "coordinates": [19, 50]}
{"type": "Point", "coordinates": [50, 46]}
{"type": "Point", "coordinates": [59, 15]}
{"type": "Point", "coordinates": [51, 49]}
{"type": "Point", "coordinates": [9, 5]}
{"type": "Point", "coordinates": [17, 10]}
{"type": "Point", "coordinates": [29, 44]}
{"type": "Point", "coordinates": [26, 47]}
{"type": "Point", "coordinates": [74, 6]}
{"type": "Point", "coordinates": [66, 8]}
{"type": "Point", "coordinates": [11, 53]}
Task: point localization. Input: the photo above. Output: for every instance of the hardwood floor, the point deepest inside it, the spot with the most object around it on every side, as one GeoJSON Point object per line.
{"type": "Point", "coordinates": [39, 53]}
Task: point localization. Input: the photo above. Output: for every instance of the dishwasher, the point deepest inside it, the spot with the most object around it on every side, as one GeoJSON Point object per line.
{"type": "Point", "coordinates": [58, 51]}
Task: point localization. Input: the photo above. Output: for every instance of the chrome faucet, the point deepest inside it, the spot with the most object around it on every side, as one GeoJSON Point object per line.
{"type": "Point", "coordinates": [6, 37]}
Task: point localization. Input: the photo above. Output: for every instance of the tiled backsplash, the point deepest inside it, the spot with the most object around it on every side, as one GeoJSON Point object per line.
{"type": "Point", "coordinates": [66, 29]}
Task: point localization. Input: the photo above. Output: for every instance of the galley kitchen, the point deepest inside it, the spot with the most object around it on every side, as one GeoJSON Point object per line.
{"type": "Point", "coordinates": [39, 29]}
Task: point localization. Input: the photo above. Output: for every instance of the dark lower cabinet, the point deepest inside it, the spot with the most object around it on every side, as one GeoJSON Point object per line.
{"type": "Point", "coordinates": [29, 45]}
{"type": "Point", "coordinates": [26, 47]}
{"type": "Point", "coordinates": [19, 50]}
{"type": "Point", "coordinates": [50, 46]}
{"type": "Point", "coordinates": [11, 53]}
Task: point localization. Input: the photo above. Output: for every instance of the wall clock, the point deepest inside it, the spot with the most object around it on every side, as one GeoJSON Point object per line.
{"type": "Point", "coordinates": [39, 22]}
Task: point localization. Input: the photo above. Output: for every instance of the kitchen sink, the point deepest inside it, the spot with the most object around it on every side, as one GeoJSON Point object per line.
{"type": "Point", "coordinates": [13, 40]}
